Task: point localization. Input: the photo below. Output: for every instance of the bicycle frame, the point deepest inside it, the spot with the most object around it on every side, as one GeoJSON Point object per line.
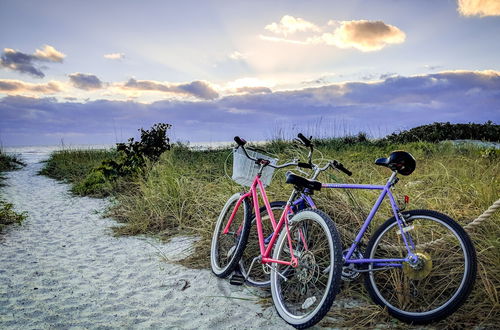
{"type": "Point", "coordinates": [385, 191]}
{"type": "Point", "coordinates": [266, 251]}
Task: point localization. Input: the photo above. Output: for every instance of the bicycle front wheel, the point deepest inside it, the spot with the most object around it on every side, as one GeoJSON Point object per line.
{"type": "Point", "coordinates": [226, 249]}
{"type": "Point", "coordinates": [303, 295]}
{"type": "Point", "coordinates": [438, 283]}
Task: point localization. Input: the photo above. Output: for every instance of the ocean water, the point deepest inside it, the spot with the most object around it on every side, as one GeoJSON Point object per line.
{"type": "Point", "coordinates": [35, 154]}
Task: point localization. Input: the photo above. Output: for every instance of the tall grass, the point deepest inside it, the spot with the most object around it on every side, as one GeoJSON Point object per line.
{"type": "Point", "coordinates": [9, 162]}
{"type": "Point", "coordinates": [7, 214]}
{"type": "Point", "coordinates": [184, 192]}
{"type": "Point", "coordinates": [76, 165]}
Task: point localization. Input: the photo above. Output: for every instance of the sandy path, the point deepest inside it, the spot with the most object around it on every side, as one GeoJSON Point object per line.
{"type": "Point", "coordinates": [63, 269]}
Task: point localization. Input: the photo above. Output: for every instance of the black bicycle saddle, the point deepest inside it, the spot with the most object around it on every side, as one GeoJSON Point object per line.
{"type": "Point", "coordinates": [400, 161]}
{"type": "Point", "coordinates": [302, 182]}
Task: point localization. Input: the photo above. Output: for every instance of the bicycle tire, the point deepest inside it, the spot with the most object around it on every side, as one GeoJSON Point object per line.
{"type": "Point", "coordinates": [226, 249]}
{"type": "Point", "coordinates": [258, 277]}
{"type": "Point", "coordinates": [320, 268]}
{"type": "Point", "coordinates": [448, 268]}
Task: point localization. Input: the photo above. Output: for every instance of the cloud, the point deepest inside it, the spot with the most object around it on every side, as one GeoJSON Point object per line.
{"type": "Point", "coordinates": [49, 54]}
{"type": "Point", "coordinates": [237, 56]}
{"type": "Point", "coordinates": [25, 63]}
{"type": "Point", "coordinates": [199, 89]}
{"type": "Point", "coordinates": [479, 8]}
{"type": "Point", "coordinates": [286, 40]}
{"type": "Point", "coordinates": [18, 87]}
{"type": "Point", "coordinates": [87, 82]}
{"type": "Point", "coordinates": [362, 34]}
{"type": "Point", "coordinates": [378, 107]}
{"type": "Point", "coordinates": [114, 56]}
{"type": "Point", "coordinates": [248, 85]}
{"type": "Point", "coordinates": [253, 90]}
{"type": "Point", "coordinates": [20, 62]}
{"type": "Point", "coordinates": [290, 25]}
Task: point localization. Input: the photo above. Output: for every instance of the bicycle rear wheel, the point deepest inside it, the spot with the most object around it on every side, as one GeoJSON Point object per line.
{"type": "Point", "coordinates": [226, 249]}
{"type": "Point", "coordinates": [259, 275]}
{"type": "Point", "coordinates": [438, 284]}
{"type": "Point", "coordinates": [303, 295]}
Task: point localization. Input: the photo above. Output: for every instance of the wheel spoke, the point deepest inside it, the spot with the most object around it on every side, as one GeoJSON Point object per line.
{"type": "Point", "coordinates": [308, 292]}
{"type": "Point", "coordinates": [433, 282]}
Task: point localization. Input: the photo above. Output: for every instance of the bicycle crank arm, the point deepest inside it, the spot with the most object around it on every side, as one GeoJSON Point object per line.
{"type": "Point", "coordinates": [251, 266]}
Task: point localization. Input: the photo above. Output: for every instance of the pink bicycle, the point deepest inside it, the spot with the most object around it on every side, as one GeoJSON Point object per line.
{"type": "Point", "coordinates": [306, 263]}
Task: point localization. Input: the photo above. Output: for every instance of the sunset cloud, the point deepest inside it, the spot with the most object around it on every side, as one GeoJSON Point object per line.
{"type": "Point", "coordinates": [87, 82]}
{"type": "Point", "coordinates": [290, 25]}
{"type": "Point", "coordinates": [236, 56]}
{"type": "Point", "coordinates": [253, 90]}
{"type": "Point", "coordinates": [26, 63]}
{"type": "Point", "coordinates": [480, 8]}
{"type": "Point", "coordinates": [50, 54]}
{"type": "Point", "coordinates": [455, 96]}
{"type": "Point", "coordinates": [197, 89]}
{"type": "Point", "coordinates": [114, 56]}
{"type": "Point", "coordinates": [363, 35]}
{"type": "Point", "coordinates": [19, 87]}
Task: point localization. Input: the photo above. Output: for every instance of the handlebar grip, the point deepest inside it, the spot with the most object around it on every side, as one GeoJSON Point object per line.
{"type": "Point", "coordinates": [341, 167]}
{"type": "Point", "coordinates": [241, 142]}
{"type": "Point", "coordinates": [305, 165]}
{"type": "Point", "coordinates": [305, 140]}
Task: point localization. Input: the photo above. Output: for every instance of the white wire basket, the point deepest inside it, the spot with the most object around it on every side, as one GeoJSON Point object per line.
{"type": "Point", "coordinates": [245, 169]}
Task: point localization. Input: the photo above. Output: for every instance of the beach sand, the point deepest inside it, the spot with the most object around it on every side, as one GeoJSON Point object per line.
{"type": "Point", "coordinates": [63, 269]}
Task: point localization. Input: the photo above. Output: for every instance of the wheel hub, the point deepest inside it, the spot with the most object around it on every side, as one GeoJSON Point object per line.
{"type": "Point", "coordinates": [307, 267]}
{"type": "Point", "coordinates": [419, 269]}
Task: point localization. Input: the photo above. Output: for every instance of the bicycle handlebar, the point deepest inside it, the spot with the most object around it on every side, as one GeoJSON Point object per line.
{"type": "Point", "coordinates": [307, 142]}
{"type": "Point", "coordinates": [239, 141]}
{"type": "Point", "coordinates": [340, 167]}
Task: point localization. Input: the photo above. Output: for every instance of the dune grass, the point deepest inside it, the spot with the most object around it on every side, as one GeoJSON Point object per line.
{"type": "Point", "coordinates": [7, 214]}
{"type": "Point", "coordinates": [75, 165]}
{"type": "Point", "coordinates": [9, 162]}
{"type": "Point", "coordinates": [184, 191]}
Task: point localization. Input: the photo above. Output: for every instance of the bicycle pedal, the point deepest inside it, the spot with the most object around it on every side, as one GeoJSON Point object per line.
{"type": "Point", "coordinates": [237, 279]}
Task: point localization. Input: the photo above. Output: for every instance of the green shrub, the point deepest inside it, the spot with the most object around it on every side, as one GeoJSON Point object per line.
{"type": "Point", "coordinates": [445, 131]}
{"type": "Point", "coordinates": [99, 173]}
{"type": "Point", "coordinates": [9, 162]}
{"type": "Point", "coordinates": [95, 184]}
{"type": "Point", "coordinates": [8, 216]}
{"type": "Point", "coordinates": [135, 154]}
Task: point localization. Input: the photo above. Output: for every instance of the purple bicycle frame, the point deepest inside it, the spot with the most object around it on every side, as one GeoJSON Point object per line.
{"type": "Point", "coordinates": [385, 191]}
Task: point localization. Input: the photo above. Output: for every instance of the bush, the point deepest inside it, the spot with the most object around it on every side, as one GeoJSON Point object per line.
{"type": "Point", "coordinates": [445, 131]}
{"type": "Point", "coordinates": [100, 173]}
{"type": "Point", "coordinates": [135, 154]}
{"type": "Point", "coordinates": [8, 215]}
{"type": "Point", "coordinates": [9, 163]}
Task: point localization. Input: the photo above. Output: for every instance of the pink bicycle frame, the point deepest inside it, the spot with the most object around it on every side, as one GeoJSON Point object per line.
{"type": "Point", "coordinates": [266, 251]}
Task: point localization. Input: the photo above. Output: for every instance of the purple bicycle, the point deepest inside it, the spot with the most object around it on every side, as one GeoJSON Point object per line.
{"type": "Point", "coordinates": [419, 264]}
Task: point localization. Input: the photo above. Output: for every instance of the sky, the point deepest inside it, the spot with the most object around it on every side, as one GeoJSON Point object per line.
{"type": "Point", "coordinates": [94, 72]}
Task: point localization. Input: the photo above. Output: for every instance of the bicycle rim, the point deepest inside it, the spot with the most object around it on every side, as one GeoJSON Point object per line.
{"type": "Point", "coordinates": [438, 284]}
{"type": "Point", "coordinates": [303, 295]}
{"type": "Point", "coordinates": [226, 249]}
